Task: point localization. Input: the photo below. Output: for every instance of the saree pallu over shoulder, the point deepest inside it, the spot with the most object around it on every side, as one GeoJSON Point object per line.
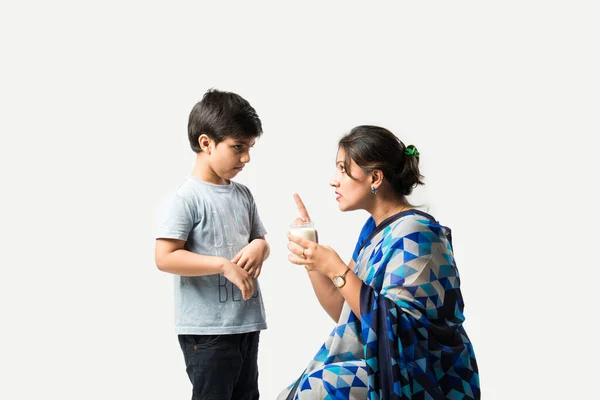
{"type": "Point", "coordinates": [415, 346]}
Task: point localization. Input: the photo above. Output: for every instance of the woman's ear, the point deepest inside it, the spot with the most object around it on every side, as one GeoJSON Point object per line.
{"type": "Point", "coordinates": [376, 178]}
{"type": "Point", "coordinates": [205, 143]}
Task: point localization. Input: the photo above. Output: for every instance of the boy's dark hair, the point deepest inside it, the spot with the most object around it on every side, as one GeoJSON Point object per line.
{"type": "Point", "coordinates": [220, 115]}
{"type": "Point", "coordinates": [374, 147]}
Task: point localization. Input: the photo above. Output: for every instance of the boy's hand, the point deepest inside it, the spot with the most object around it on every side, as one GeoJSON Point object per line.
{"type": "Point", "coordinates": [239, 278]}
{"type": "Point", "coordinates": [251, 257]}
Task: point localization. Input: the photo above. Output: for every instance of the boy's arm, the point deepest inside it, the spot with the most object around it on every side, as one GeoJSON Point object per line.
{"type": "Point", "coordinates": [170, 256]}
{"type": "Point", "coordinates": [265, 244]}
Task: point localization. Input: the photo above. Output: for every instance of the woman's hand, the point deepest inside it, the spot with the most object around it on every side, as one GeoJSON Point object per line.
{"type": "Point", "coordinates": [311, 254]}
{"type": "Point", "coordinates": [304, 217]}
{"type": "Point", "coordinates": [316, 257]}
{"type": "Point", "coordinates": [321, 259]}
{"type": "Point", "coordinates": [303, 212]}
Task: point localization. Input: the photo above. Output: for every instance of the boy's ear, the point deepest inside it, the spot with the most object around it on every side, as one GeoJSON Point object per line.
{"type": "Point", "coordinates": [205, 143]}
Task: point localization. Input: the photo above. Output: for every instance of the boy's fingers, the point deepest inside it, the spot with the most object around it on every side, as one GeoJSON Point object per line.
{"type": "Point", "coordinates": [249, 289]}
{"type": "Point", "coordinates": [237, 257]}
{"type": "Point", "coordinates": [301, 208]}
{"type": "Point", "coordinates": [244, 289]}
{"type": "Point", "coordinates": [253, 271]}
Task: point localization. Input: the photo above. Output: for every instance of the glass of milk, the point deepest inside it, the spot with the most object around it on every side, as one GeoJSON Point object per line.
{"type": "Point", "coordinates": [305, 230]}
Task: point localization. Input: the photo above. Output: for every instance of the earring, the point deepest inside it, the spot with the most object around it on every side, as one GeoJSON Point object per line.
{"type": "Point", "coordinates": [373, 190]}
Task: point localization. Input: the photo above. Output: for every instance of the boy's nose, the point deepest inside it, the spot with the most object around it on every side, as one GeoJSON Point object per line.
{"type": "Point", "coordinates": [245, 158]}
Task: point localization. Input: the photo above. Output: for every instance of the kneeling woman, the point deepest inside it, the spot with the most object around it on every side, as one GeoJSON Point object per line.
{"type": "Point", "coordinates": [397, 305]}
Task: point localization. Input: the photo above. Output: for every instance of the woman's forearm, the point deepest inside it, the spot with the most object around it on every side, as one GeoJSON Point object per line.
{"type": "Point", "coordinates": [350, 292]}
{"type": "Point", "coordinates": [328, 295]}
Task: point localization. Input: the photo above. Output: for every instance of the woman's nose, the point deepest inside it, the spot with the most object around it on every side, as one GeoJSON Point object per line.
{"type": "Point", "coordinates": [335, 182]}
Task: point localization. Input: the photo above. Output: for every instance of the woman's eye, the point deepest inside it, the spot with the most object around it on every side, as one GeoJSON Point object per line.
{"type": "Point", "coordinates": [343, 169]}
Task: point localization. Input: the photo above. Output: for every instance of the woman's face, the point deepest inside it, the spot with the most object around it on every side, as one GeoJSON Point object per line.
{"type": "Point", "coordinates": [351, 193]}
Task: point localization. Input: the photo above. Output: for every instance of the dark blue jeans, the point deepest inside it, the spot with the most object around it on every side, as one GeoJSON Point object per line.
{"type": "Point", "coordinates": [222, 367]}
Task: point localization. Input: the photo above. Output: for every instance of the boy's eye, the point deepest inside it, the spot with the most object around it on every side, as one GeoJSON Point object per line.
{"type": "Point", "coordinates": [238, 147]}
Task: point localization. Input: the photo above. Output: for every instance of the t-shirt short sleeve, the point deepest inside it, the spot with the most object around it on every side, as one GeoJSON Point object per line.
{"type": "Point", "coordinates": [257, 229]}
{"type": "Point", "coordinates": [366, 230]}
{"type": "Point", "coordinates": [176, 220]}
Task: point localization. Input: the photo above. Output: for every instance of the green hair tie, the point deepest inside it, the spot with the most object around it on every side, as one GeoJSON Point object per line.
{"type": "Point", "coordinates": [412, 152]}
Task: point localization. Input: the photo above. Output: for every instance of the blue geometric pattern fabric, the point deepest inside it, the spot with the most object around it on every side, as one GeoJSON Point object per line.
{"type": "Point", "coordinates": [409, 342]}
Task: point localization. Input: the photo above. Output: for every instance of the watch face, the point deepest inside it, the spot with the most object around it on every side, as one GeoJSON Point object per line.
{"type": "Point", "coordinates": [338, 281]}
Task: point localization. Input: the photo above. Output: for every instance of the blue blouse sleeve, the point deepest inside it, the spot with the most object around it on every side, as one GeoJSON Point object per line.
{"type": "Point", "coordinates": [364, 234]}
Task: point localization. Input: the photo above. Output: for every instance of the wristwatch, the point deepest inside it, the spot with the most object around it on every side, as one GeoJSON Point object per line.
{"type": "Point", "coordinates": [340, 280]}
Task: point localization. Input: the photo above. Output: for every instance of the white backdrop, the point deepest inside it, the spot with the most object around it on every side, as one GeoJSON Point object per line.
{"type": "Point", "coordinates": [501, 100]}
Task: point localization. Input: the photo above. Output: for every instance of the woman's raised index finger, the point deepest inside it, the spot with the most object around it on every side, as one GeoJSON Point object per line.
{"type": "Point", "coordinates": [301, 208]}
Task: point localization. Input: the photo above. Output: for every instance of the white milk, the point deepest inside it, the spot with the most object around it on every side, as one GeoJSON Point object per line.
{"type": "Point", "coordinates": [305, 230]}
{"type": "Point", "coordinates": [306, 233]}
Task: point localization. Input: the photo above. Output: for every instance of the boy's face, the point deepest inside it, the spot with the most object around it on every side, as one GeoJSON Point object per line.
{"type": "Point", "coordinates": [230, 156]}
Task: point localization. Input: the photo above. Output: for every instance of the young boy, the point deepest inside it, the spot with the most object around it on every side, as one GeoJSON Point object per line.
{"type": "Point", "coordinates": [213, 242]}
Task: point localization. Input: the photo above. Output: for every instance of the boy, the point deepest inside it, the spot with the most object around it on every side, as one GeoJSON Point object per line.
{"type": "Point", "coordinates": [213, 242]}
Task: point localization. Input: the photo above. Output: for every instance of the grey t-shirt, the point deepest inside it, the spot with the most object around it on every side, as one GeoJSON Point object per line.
{"type": "Point", "coordinates": [214, 220]}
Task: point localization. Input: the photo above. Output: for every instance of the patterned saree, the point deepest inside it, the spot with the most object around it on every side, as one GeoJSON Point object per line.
{"type": "Point", "coordinates": [409, 342]}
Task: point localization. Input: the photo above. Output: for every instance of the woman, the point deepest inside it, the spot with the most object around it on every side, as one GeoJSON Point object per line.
{"type": "Point", "coordinates": [397, 305]}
